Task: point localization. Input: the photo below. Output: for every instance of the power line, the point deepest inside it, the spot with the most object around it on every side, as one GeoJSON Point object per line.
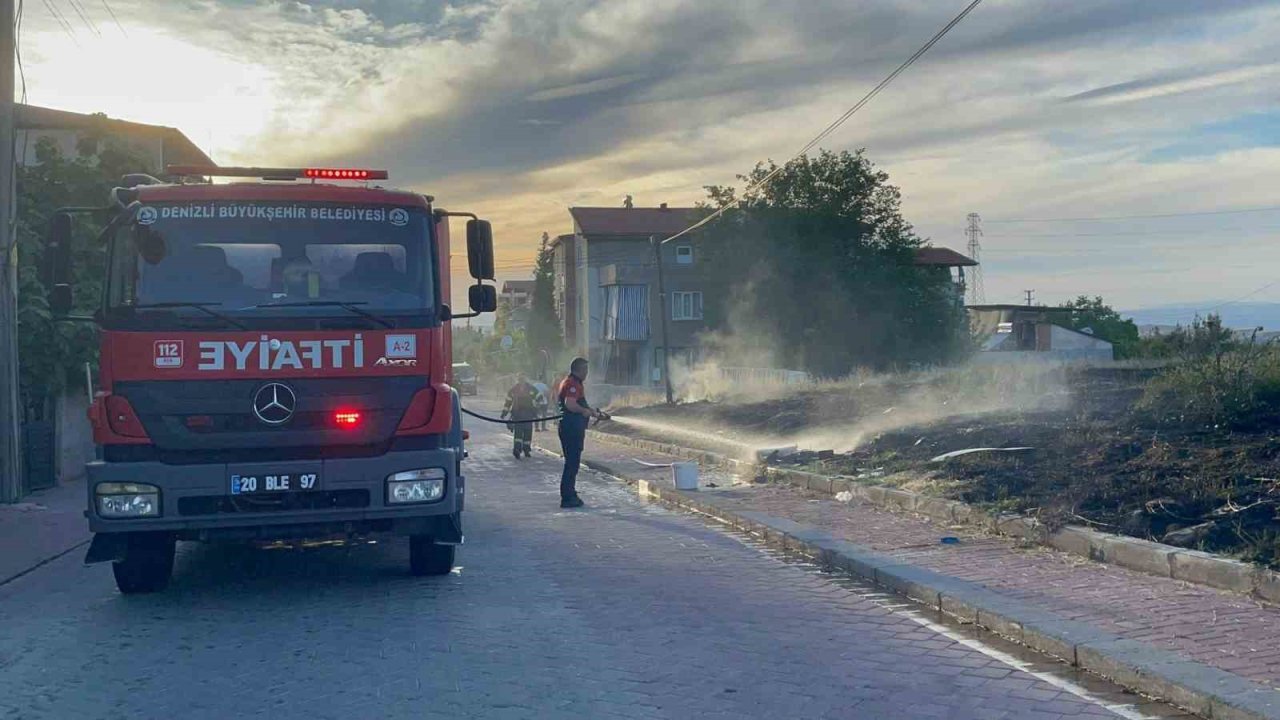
{"type": "Point", "coordinates": [628, 257]}
{"type": "Point", "coordinates": [502, 264]}
{"type": "Point", "coordinates": [114, 19]}
{"type": "Point", "coordinates": [1269, 285]}
{"type": "Point", "coordinates": [83, 13]}
{"type": "Point", "coordinates": [62, 21]}
{"type": "Point", "coordinates": [1059, 250]}
{"type": "Point", "coordinates": [1138, 233]}
{"type": "Point", "coordinates": [1154, 216]}
{"type": "Point", "coordinates": [835, 125]}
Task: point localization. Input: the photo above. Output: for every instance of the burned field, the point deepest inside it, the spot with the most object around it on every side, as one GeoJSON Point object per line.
{"type": "Point", "coordinates": [1094, 459]}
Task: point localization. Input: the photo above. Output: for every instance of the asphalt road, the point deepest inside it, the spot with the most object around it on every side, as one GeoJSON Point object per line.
{"type": "Point", "coordinates": [621, 609]}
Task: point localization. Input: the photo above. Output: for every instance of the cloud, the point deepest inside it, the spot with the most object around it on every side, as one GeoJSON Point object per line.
{"type": "Point", "coordinates": [1148, 88]}
{"type": "Point", "coordinates": [519, 108]}
{"type": "Point", "coordinates": [584, 88]}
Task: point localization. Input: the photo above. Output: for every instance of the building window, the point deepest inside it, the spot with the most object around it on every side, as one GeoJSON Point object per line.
{"type": "Point", "coordinates": [684, 254]}
{"type": "Point", "coordinates": [686, 306]}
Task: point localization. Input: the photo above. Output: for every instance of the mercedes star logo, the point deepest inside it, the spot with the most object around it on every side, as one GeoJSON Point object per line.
{"type": "Point", "coordinates": [274, 403]}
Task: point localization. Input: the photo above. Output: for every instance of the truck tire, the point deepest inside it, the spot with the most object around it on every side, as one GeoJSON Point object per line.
{"type": "Point", "coordinates": [147, 565]}
{"type": "Point", "coordinates": [426, 557]}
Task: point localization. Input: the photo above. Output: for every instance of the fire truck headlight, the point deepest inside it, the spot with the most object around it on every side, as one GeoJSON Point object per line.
{"type": "Point", "coordinates": [127, 500]}
{"type": "Point", "coordinates": [416, 486]}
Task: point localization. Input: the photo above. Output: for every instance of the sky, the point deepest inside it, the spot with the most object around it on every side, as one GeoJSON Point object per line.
{"type": "Point", "coordinates": [519, 109]}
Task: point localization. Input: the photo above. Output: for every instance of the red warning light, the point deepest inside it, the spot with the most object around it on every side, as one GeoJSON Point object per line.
{"type": "Point", "coordinates": [347, 419]}
{"type": "Point", "coordinates": [343, 174]}
{"type": "Point", "coordinates": [276, 173]}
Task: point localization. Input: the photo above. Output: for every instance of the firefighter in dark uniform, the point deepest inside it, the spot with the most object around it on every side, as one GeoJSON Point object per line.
{"type": "Point", "coordinates": [521, 406]}
{"type": "Point", "coordinates": [571, 398]}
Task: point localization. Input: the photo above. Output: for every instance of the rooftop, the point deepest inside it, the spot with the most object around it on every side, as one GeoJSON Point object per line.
{"type": "Point", "coordinates": [178, 148]}
{"type": "Point", "coordinates": [633, 221]}
{"type": "Point", "coordinates": [518, 286]}
{"type": "Point", "coordinates": [942, 256]}
{"type": "Point", "coordinates": [1025, 308]}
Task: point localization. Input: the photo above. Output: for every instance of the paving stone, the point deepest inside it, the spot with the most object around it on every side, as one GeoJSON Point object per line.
{"type": "Point", "coordinates": [620, 610]}
{"type": "Point", "coordinates": [1199, 623]}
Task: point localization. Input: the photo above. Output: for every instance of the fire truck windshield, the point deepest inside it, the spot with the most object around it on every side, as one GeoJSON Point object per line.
{"type": "Point", "coordinates": [256, 260]}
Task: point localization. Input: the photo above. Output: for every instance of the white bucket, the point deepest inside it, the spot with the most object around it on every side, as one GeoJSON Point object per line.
{"type": "Point", "coordinates": [684, 475]}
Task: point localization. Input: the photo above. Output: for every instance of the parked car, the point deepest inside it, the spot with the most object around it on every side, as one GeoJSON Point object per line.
{"type": "Point", "coordinates": [464, 378]}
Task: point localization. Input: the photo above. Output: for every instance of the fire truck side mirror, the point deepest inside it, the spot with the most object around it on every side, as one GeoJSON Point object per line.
{"type": "Point", "coordinates": [483, 298]}
{"type": "Point", "coordinates": [58, 257]}
{"type": "Point", "coordinates": [480, 249]}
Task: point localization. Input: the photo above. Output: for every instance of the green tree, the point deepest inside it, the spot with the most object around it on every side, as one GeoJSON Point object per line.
{"type": "Point", "coordinates": [1205, 337]}
{"type": "Point", "coordinates": [52, 354]}
{"type": "Point", "coordinates": [544, 334]}
{"type": "Point", "coordinates": [819, 266]}
{"type": "Point", "coordinates": [1096, 316]}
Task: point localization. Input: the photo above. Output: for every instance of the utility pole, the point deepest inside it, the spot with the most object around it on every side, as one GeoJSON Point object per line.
{"type": "Point", "coordinates": [10, 417]}
{"type": "Point", "coordinates": [977, 295]}
{"type": "Point", "coordinates": [1030, 294]}
{"type": "Point", "coordinates": [662, 303]}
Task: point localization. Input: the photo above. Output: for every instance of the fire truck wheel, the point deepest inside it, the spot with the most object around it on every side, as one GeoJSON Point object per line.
{"type": "Point", "coordinates": [147, 565]}
{"type": "Point", "coordinates": [428, 558]}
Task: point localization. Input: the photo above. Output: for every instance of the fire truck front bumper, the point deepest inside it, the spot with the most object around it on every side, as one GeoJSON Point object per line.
{"type": "Point", "coordinates": [401, 493]}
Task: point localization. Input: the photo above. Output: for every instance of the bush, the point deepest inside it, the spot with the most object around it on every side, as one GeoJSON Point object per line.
{"type": "Point", "coordinates": [52, 355]}
{"type": "Point", "coordinates": [1219, 382]}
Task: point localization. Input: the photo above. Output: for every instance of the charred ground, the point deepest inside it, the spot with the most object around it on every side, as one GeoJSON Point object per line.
{"type": "Point", "coordinates": [1096, 459]}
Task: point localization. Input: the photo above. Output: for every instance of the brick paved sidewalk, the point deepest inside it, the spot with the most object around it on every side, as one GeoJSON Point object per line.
{"type": "Point", "coordinates": [1231, 632]}
{"type": "Point", "coordinates": [42, 526]}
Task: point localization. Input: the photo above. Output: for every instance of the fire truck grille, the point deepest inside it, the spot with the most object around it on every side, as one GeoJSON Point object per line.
{"type": "Point", "coordinates": [228, 504]}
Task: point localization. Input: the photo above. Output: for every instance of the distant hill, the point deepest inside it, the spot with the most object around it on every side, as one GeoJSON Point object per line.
{"type": "Point", "coordinates": [1235, 315]}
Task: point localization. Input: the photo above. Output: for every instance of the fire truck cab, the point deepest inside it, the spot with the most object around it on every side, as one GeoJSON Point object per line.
{"type": "Point", "coordinates": [275, 364]}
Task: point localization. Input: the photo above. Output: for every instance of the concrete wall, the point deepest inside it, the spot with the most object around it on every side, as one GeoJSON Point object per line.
{"type": "Point", "coordinates": [630, 261]}
{"type": "Point", "coordinates": [582, 296]}
{"type": "Point", "coordinates": [564, 300]}
{"type": "Point", "coordinates": [75, 436]}
{"type": "Point", "coordinates": [630, 257]}
{"type": "Point", "coordinates": [1061, 338]}
{"type": "Point", "coordinates": [1050, 357]}
{"type": "Point", "coordinates": [603, 394]}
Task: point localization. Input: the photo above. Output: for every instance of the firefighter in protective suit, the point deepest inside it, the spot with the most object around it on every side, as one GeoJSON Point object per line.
{"type": "Point", "coordinates": [521, 409]}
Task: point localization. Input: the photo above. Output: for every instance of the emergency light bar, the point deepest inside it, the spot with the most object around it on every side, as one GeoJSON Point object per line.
{"type": "Point", "coordinates": [277, 173]}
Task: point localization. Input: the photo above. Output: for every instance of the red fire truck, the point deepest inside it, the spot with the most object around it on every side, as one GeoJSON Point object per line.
{"type": "Point", "coordinates": [275, 364]}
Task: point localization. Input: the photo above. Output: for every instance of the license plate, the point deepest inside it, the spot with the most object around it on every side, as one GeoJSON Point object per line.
{"type": "Point", "coordinates": [268, 484]}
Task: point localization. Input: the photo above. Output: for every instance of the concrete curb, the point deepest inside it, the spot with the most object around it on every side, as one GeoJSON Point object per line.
{"type": "Point", "coordinates": [1202, 689]}
{"type": "Point", "coordinates": [1132, 553]}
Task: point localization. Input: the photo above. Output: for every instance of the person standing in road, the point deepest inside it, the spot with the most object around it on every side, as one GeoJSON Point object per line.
{"type": "Point", "coordinates": [522, 399]}
{"type": "Point", "coordinates": [543, 405]}
{"type": "Point", "coordinates": [571, 398]}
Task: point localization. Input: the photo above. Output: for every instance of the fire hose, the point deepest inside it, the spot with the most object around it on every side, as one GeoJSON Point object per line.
{"type": "Point", "coordinates": [505, 421]}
